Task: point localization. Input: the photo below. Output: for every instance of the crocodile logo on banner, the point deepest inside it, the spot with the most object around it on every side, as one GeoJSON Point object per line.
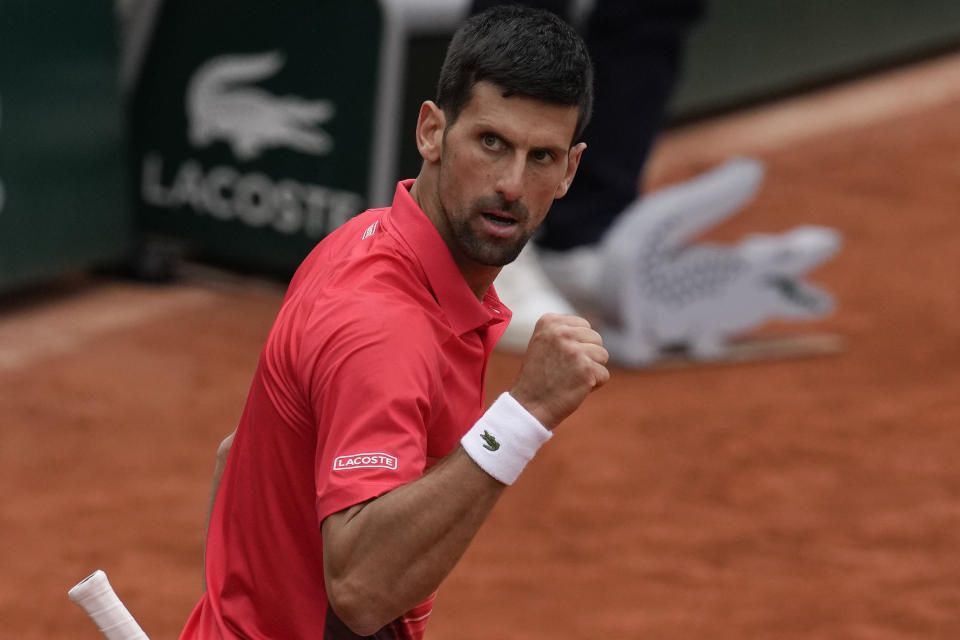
{"type": "Point", "coordinates": [223, 105]}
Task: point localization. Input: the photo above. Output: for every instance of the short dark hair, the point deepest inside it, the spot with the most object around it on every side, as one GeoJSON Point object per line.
{"type": "Point", "coordinates": [525, 52]}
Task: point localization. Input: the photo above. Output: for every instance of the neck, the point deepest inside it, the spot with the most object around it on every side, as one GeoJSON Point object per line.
{"type": "Point", "coordinates": [424, 192]}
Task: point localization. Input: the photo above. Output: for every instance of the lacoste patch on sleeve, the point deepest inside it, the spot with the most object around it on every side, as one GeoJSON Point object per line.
{"type": "Point", "coordinates": [365, 461]}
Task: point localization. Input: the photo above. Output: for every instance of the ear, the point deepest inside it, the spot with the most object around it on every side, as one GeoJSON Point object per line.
{"type": "Point", "coordinates": [430, 126]}
{"type": "Point", "coordinates": [573, 161]}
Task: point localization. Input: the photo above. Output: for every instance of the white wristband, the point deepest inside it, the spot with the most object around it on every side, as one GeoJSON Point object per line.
{"type": "Point", "coordinates": [505, 439]}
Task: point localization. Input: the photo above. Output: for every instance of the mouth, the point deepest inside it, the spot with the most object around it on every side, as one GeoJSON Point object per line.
{"type": "Point", "coordinates": [499, 218]}
{"type": "Point", "coordinates": [498, 226]}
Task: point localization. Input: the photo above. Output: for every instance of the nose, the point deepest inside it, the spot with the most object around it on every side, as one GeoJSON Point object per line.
{"type": "Point", "coordinates": [510, 179]}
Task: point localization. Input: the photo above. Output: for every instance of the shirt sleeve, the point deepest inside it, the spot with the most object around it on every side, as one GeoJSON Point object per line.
{"type": "Point", "coordinates": [375, 381]}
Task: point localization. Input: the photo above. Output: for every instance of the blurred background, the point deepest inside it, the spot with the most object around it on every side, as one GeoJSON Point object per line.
{"type": "Point", "coordinates": [100, 106]}
{"type": "Point", "coordinates": [165, 165]}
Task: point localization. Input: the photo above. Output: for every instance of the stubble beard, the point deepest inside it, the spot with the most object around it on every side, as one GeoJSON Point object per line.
{"type": "Point", "coordinates": [492, 252]}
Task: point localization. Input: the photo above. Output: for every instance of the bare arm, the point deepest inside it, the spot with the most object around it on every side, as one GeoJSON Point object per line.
{"type": "Point", "coordinates": [223, 451]}
{"type": "Point", "coordinates": [385, 556]}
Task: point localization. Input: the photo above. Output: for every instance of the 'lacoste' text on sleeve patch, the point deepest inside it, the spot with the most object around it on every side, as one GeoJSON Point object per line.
{"type": "Point", "coordinates": [364, 461]}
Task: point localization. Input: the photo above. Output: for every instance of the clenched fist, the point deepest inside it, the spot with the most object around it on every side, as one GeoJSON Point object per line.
{"type": "Point", "coordinates": [563, 363]}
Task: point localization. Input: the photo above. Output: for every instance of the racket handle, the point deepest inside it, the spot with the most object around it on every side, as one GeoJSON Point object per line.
{"type": "Point", "coordinates": [95, 596]}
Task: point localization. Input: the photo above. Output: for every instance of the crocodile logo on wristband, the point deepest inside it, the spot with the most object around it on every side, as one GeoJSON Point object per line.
{"type": "Point", "coordinates": [490, 443]}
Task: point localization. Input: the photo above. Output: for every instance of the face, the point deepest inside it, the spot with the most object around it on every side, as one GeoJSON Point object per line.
{"type": "Point", "coordinates": [501, 165]}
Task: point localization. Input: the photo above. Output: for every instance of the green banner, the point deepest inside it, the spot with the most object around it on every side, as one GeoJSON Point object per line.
{"type": "Point", "coordinates": [61, 141]}
{"type": "Point", "coordinates": [252, 125]}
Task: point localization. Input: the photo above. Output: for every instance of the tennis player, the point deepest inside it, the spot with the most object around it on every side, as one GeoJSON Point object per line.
{"type": "Point", "coordinates": [364, 462]}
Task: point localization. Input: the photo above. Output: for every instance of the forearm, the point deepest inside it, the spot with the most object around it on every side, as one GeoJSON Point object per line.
{"type": "Point", "coordinates": [386, 556]}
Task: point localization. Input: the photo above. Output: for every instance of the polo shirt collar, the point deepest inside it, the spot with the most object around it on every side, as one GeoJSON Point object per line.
{"type": "Point", "coordinates": [462, 309]}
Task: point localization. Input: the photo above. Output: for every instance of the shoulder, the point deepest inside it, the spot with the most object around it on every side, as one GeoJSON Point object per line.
{"type": "Point", "coordinates": [371, 351]}
{"type": "Point", "coordinates": [366, 329]}
{"type": "Point", "coordinates": [401, 319]}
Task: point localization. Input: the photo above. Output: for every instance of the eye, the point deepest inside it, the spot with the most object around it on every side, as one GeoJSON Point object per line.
{"type": "Point", "coordinates": [490, 141]}
{"type": "Point", "coordinates": [541, 155]}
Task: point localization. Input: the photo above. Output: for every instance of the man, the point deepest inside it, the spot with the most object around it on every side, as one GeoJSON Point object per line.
{"type": "Point", "coordinates": [364, 464]}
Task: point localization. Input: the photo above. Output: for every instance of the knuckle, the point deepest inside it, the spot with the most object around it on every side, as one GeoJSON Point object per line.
{"type": "Point", "coordinates": [543, 322]}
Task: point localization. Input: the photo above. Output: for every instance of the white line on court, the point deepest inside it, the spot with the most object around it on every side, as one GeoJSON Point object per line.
{"type": "Point", "coordinates": [68, 323]}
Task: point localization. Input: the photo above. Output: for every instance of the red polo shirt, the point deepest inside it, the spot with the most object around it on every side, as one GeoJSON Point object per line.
{"type": "Point", "coordinates": [373, 369]}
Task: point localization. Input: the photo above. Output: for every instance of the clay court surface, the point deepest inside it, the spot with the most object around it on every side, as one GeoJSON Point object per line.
{"type": "Point", "coordinates": [800, 498]}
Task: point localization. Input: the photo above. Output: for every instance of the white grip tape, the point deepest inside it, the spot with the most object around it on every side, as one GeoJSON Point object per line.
{"type": "Point", "coordinates": [95, 596]}
{"type": "Point", "coordinates": [505, 439]}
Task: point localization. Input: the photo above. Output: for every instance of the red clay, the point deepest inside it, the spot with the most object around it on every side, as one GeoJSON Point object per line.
{"type": "Point", "coordinates": [794, 499]}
